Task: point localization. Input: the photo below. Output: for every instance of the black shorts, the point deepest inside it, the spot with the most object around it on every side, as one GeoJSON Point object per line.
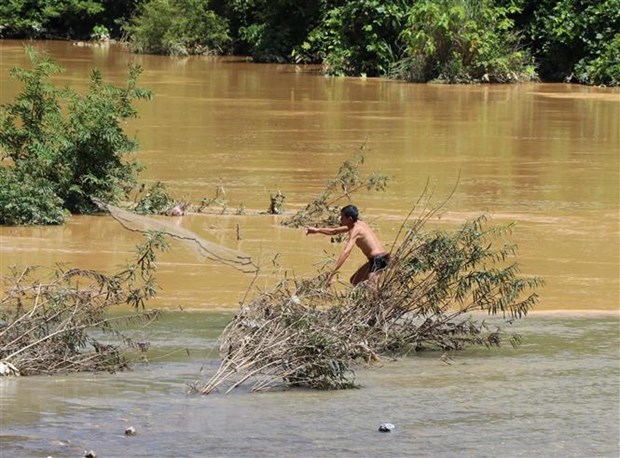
{"type": "Point", "coordinates": [379, 262]}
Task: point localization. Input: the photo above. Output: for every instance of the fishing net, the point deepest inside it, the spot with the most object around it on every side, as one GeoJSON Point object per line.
{"type": "Point", "coordinates": [196, 244]}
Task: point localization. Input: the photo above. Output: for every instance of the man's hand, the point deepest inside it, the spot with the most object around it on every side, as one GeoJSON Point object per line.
{"type": "Point", "coordinates": [311, 230]}
{"type": "Point", "coordinates": [329, 279]}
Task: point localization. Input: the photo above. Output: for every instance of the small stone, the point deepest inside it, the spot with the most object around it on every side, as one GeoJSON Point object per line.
{"type": "Point", "coordinates": [131, 431]}
{"type": "Point", "coordinates": [386, 427]}
{"type": "Point", "coordinates": [90, 454]}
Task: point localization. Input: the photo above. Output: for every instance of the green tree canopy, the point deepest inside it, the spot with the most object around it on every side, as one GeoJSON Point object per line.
{"type": "Point", "coordinates": [73, 143]}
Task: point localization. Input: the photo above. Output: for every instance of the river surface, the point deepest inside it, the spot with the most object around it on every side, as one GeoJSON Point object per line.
{"type": "Point", "coordinates": [543, 155]}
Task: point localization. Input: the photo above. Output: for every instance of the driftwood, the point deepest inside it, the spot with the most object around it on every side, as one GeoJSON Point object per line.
{"type": "Point", "coordinates": [301, 333]}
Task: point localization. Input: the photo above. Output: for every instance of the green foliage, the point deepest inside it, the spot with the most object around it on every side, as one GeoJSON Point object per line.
{"type": "Point", "coordinates": [50, 17]}
{"type": "Point", "coordinates": [577, 39]}
{"type": "Point", "coordinates": [178, 27]}
{"type": "Point", "coordinates": [73, 142]}
{"type": "Point", "coordinates": [157, 200]}
{"type": "Point", "coordinates": [463, 270]}
{"type": "Point", "coordinates": [462, 41]}
{"type": "Point", "coordinates": [324, 210]}
{"type": "Point", "coordinates": [604, 67]}
{"type": "Point", "coordinates": [100, 33]}
{"type": "Point", "coordinates": [356, 37]}
{"type": "Point", "coordinates": [269, 30]}
{"type": "Point", "coordinates": [26, 201]}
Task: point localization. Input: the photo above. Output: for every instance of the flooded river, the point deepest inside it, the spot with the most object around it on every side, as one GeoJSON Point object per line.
{"type": "Point", "coordinates": [543, 155]}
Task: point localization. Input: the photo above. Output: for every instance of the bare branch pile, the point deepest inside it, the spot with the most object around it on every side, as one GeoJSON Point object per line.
{"type": "Point", "coordinates": [54, 326]}
{"type": "Point", "coordinates": [302, 334]}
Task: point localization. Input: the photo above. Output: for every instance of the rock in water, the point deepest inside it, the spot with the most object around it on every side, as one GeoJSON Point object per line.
{"type": "Point", "coordinates": [386, 427]}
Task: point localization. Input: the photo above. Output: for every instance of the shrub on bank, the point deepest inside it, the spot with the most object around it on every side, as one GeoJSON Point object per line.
{"type": "Point", "coordinates": [460, 41]}
{"type": "Point", "coordinates": [178, 27]}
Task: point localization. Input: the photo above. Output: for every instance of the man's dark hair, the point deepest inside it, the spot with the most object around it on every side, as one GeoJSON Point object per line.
{"type": "Point", "coordinates": [351, 212]}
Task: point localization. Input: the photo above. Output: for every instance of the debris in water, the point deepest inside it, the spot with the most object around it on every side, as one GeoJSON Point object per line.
{"type": "Point", "coordinates": [131, 431]}
{"type": "Point", "coordinates": [386, 427]}
{"type": "Point", "coordinates": [7, 369]}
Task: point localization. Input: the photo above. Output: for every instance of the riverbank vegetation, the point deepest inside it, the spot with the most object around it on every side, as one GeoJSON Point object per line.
{"type": "Point", "coordinates": [60, 322]}
{"type": "Point", "coordinates": [451, 41]}
{"type": "Point", "coordinates": [60, 148]}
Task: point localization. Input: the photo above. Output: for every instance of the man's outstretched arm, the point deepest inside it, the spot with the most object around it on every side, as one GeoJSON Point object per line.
{"type": "Point", "coordinates": [327, 230]}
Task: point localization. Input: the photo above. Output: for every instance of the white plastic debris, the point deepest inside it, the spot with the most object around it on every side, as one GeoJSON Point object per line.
{"type": "Point", "coordinates": [7, 369]}
{"type": "Point", "coordinates": [386, 427]}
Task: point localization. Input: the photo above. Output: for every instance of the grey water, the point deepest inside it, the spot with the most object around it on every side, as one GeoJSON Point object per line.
{"type": "Point", "coordinates": [557, 394]}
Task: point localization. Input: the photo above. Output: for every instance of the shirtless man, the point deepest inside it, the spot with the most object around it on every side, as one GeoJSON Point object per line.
{"type": "Point", "coordinates": [360, 234]}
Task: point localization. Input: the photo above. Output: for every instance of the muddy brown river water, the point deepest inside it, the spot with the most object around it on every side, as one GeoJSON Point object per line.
{"type": "Point", "coordinates": [543, 155]}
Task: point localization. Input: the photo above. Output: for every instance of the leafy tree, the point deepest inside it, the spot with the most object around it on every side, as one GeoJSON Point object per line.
{"type": "Point", "coordinates": [73, 143]}
{"type": "Point", "coordinates": [357, 37]}
{"type": "Point", "coordinates": [178, 27]}
{"type": "Point", "coordinates": [269, 30]}
{"type": "Point", "coordinates": [577, 39]}
{"type": "Point", "coordinates": [157, 200]}
{"type": "Point", "coordinates": [462, 41]}
{"type": "Point", "coordinates": [67, 18]}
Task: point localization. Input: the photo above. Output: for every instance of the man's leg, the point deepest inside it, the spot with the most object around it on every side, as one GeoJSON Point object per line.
{"type": "Point", "coordinates": [361, 274]}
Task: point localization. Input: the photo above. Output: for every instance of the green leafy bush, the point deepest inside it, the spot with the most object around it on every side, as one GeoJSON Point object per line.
{"type": "Point", "coordinates": [356, 37]}
{"type": "Point", "coordinates": [100, 33]}
{"type": "Point", "coordinates": [157, 200]}
{"type": "Point", "coordinates": [74, 143]}
{"type": "Point", "coordinates": [577, 39]}
{"type": "Point", "coordinates": [604, 69]}
{"type": "Point", "coordinates": [461, 41]}
{"type": "Point", "coordinates": [269, 30]}
{"type": "Point", "coordinates": [24, 201]}
{"type": "Point", "coordinates": [46, 18]}
{"type": "Point", "coordinates": [178, 27]}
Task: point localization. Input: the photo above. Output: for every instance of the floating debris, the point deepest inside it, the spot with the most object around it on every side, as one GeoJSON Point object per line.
{"type": "Point", "coordinates": [131, 431]}
{"type": "Point", "coordinates": [386, 427]}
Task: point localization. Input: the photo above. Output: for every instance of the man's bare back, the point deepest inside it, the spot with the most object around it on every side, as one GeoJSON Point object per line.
{"type": "Point", "coordinates": [360, 235]}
